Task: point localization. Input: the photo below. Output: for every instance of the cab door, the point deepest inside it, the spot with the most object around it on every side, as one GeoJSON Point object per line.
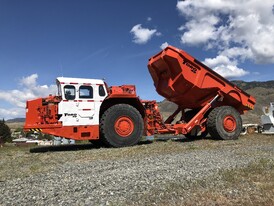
{"type": "Point", "coordinates": [86, 105]}
{"type": "Point", "coordinates": [68, 108]}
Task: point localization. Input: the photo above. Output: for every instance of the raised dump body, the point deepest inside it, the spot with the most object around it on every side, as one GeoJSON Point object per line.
{"type": "Point", "coordinates": [182, 79]}
{"type": "Point", "coordinates": [214, 103]}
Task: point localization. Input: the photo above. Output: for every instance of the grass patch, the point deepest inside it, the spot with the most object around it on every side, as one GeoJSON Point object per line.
{"type": "Point", "coordinates": [18, 162]}
{"type": "Point", "coordinates": [250, 185]}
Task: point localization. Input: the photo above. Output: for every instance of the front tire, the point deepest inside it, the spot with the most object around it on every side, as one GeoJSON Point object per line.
{"type": "Point", "coordinates": [121, 125]}
{"type": "Point", "coordinates": [224, 123]}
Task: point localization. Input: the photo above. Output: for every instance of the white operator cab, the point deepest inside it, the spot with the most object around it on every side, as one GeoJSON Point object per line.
{"type": "Point", "coordinates": [81, 100]}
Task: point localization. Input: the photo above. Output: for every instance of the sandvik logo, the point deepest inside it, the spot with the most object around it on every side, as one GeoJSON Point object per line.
{"type": "Point", "coordinates": [193, 68]}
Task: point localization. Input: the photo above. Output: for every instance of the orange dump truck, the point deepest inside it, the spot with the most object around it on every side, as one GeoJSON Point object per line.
{"type": "Point", "coordinates": [87, 109]}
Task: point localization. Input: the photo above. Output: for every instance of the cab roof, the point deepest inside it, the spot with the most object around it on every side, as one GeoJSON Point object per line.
{"type": "Point", "coordinates": [69, 80]}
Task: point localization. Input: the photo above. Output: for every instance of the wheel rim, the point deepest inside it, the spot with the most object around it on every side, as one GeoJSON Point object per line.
{"type": "Point", "coordinates": [124, 126]}
{"type": "Point", "coordinates": [230, 123]}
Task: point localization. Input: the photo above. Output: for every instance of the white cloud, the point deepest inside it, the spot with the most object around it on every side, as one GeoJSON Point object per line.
{"type": "Point", "coordinates": [225, 67]}
{"type": "Point", "coordinates": [149, 19]}
{"type": "Point", "coordinates": [199, 34]}
{"type": "Point", "coordinates": [29, 81]}
{"type": "Point", "coordinates": [12, 113]}
{"type": "Point", "coordinates": [158, 34]}
{"type": "Point", "coordinates": [213, 62]}
{"type": "Point", "coordinates": [181, 28]}
{"type": "Point", "coordinates": [143, 35]}
{"type": "Point", "coordinates": [237, 52]}
{"type": "Point", "coordinates": [230, 71]}
{"type": "Point", "coordinates": [236, 33]}
{"type": "Point", "coordinates": [164, 45]}
{"type": "Point", "coordinates": [29, 89]}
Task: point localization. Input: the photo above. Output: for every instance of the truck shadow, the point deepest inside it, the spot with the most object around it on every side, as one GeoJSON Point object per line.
{"type": "Point", "coordinates": [180, 138]}
{"type": "Point", "coordinates": [76, 147]}
{"type": "Point", "coordinates": [72, 147]}
{"type": "Point", "coordinates": [61, 148]}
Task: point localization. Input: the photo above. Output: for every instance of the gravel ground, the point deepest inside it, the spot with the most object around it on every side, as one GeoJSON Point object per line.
{"type": "Point", "coordinates": [127, 175]}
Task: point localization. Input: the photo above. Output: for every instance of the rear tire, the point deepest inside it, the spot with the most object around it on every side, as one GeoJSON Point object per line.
{"type": "Point", "coordinates": [121, 125]}
{"type": "Point", "coordinates": [224, 123]}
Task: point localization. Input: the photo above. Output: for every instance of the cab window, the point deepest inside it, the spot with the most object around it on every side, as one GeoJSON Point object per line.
{"type": "Point", "coordinates": [85, 92]}
{"type": "Point", "coordinates": [69, 92]}
{"type": "Point", "coordinates": [102, 91]}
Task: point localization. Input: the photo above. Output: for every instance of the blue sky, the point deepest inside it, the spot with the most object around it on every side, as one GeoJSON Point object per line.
{"type": "Point", "coordinates": [43, 39]}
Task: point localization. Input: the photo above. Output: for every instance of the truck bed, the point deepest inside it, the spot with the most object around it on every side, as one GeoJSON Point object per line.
{"type": "Point", "coordinates": [184, 80]}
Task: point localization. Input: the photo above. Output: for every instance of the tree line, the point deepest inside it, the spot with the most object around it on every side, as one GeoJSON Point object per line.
{"type": "Point", "coordinates": [5, 133]}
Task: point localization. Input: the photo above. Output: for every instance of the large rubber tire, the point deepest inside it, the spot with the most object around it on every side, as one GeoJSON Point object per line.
{"type": "Point", "coordinates": [195, 133]}
{"type": "Point", "coordinates": [121, 125]}
{"type": "Point", "coordinates": [224, 123]}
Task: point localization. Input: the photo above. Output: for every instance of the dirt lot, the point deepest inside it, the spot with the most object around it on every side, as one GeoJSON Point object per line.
{"type": "Point", "coordinates": [201, 172]}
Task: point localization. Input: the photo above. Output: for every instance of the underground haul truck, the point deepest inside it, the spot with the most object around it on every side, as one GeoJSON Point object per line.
{"type": "Point", "coordinates": [88, 109]}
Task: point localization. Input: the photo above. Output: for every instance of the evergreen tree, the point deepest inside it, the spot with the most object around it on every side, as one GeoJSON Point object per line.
{"type": "Point", "coordinates": [5, 133]}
